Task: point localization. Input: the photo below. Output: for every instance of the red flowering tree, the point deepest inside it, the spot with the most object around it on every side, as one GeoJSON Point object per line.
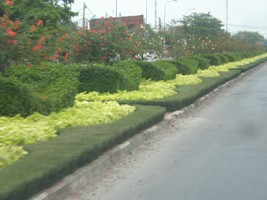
{"type": "Point", "coordinates": [28, 40]}
{"type": "Point", "coordinates": [106, 41]}
{"type": "Point", "coordinates": [109, 39]}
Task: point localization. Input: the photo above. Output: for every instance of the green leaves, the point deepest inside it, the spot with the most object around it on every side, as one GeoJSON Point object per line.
{"type": "Point", "coordinates": [17, 131]}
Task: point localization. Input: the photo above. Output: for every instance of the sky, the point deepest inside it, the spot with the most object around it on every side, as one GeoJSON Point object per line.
{"type": "Point", "coordinates": [243, 15]}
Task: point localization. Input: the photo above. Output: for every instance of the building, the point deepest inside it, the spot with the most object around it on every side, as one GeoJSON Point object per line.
{"type": "Point", "coordinates": [133, 22]}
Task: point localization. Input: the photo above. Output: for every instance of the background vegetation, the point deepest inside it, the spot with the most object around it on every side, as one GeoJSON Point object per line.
{"type": "Point", "coordinates": [37, 31]}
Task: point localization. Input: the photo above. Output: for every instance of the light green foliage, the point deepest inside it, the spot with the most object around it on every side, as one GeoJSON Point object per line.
{"type": "Point", "coordinates": [10, 153]}
{"type": "Point", "coordinates": [191, 79]}
{"type": "Point", "coordinates": [17, 131]}
{"type": "Point", "coordinates": [149, 90]}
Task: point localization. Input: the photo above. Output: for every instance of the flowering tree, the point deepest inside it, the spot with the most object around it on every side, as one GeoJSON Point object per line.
{"type": "Point", "coordinates": [105, 42]}
{"type": "Point", "coordinates": [27, 40]}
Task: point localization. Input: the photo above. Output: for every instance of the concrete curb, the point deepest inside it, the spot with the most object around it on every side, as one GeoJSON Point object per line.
{"type": "Point", "coordinates": [86, 174]}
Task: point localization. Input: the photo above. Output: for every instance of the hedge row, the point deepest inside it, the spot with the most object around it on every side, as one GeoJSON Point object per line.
{"type": "Point", "coordinates": [51, 87]}
{"type": "Point", "coordinates": [100, 78]}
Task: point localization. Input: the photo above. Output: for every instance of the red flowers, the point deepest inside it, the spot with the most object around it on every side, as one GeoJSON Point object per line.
{"type": "Point", "coordinates": [40, 44]}
{"type": "Point", "coordinates": [32, 29]}
{"type": "Point", "coordinates": [10, 32]}
{"type": "Point", "coordinates": [9, 3]}
{"type": "Point", "coordinates": [66, 57]}
{"type": "Point", "coordinates": [39, 23]}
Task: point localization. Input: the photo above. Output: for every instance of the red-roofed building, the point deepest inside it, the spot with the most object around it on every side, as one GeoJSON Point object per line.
{"type": "Point", "coordinates": [133, 22]}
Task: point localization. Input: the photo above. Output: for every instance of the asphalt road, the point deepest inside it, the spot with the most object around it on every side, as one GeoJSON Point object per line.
{"type": "Point", "coordinates": [219, 152]}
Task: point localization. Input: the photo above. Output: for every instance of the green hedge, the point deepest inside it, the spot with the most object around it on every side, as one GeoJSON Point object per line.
{"type": "Point", "coordinates": [186, 66]}
{"type": "Point", "coordinates": [16, 98]}
{"type": "Point", "coordinates": [132, 73]}
{"type": "Point", "coordinates": [250, 54]}
{"type": "Point", "coordinates": [168, 69]}
{"type": "Point", "coordinates": [55, 85]}
{"type": "Point", "coordinates": [203, 63]}
{"type": "Point", "coordinates": [213, 58]}
{"type": "Point", "coordinates": [150, 71]}
{"type": "Point", "coordinates": [100, 79]}
{"type": "Point", "coordinates": [224, 59]}
{"type": "Point", "coordinates": [52, 160]}
{"type": "Point", "coordinates": [233, 56]}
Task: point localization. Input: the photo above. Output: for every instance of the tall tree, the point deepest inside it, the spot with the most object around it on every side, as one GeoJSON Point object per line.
{"type": "Point", "coordinates": [200, 31]}
{"type": "Point", "coordinates": [201, 25]}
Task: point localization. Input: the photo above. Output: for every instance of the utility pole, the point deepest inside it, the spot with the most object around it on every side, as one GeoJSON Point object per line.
{"type": "Point", "coordinates": [84, 7]}
{"type": "Point", "coordinates": [116, 8]}
{"type": "Point", "coordinates": [146, 11]}
{"type": "Point", "coordinates": [156, 15]}
{"type": "Point", "coordinates": [227, 6]}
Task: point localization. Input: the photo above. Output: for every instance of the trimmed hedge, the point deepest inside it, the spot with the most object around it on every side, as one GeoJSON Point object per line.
{"type": "Point", "coordinates": [224, 59]}
{"type": "Point", "coordinates": [186, 66]}
{"type": "Point", "coordinates": [100, 79]}
{"type": "Point", "coordinates": [54, 85]}
{"type": "Point", "coordinates": [150, 71]}
{"type": "Point", "coordinates": [203, 63]}
{"type": "Point", "coordinates": [16, 98]}
{"type": "Point", "coordinates": [52, 160]}
{"type": "Point", "coordinates": [213, 58]}
{"type": "Point", "coordinates": [132, 73]}
{"type": "Point", "coordinates": [251, 54]}
{"type": "Point", "coordinates": [233, 56]}
{"type": "Point", "coordinates": [168, 69]}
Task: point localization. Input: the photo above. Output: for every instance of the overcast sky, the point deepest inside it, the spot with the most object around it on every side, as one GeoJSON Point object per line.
{"type": "Point", "coordinates": [249, 15]}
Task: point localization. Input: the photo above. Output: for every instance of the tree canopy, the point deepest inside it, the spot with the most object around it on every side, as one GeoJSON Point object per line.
{"type": "Point", "coordinates": [201, 25]}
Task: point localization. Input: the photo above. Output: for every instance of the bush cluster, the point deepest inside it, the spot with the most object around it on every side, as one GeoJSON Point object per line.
{"type": "Point", "coordinates": [53, 85]}
{"type": "Point", "coordinates": [186, 66]}
{"type": "Point", "coordinates": [16, 98]}
{"type": "Point", "coordinates": [131, 72]}
{"type": "Point", "coordinates": [203, 63]}
{"type": "Point", "coordinates": [213, 58]}
{"type": "Point", "coordinates": [168, 70]}
{"type": "Point", "coordinates": [100, 78]}
{"type": "Point", "coordinates": [150, 71]}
